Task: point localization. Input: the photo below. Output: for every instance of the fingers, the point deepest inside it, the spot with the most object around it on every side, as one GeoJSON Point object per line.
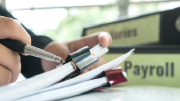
{"type": "Point", "coordinates": [103, 38]}
{"type": "Point", "coordinates": [5, 76]}
{"type": "Point", "coordinates": [100, 37]}
{"type": "Point", "coordinates": [10, 28]}
{"type": "Point", "coordinates": [10, 60]}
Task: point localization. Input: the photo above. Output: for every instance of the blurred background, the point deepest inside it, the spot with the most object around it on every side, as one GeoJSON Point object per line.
{"type": "Point", "coordinates": [63, 20]}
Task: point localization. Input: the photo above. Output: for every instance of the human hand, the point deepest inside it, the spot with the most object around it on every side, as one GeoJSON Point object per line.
{"type": "Point", "coordinates": [10, 65]}
{"type": "Point", "coordinates": [64, 49]}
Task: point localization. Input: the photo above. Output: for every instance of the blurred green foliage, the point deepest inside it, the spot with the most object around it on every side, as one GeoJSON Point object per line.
{"type": "Point", "coordinates": [71, 27]}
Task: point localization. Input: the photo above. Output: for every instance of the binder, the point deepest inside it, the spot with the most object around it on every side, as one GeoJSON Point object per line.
{"type": "Point", "coordinates": [154, 28]}
{"type": "Point", "coordinates": [156, 38]}
{"type": "Point", "coordinates": [156, 65]}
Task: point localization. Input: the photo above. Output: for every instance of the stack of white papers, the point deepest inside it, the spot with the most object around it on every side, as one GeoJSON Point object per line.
{"type": "Point", "coordinates": [45, 87]}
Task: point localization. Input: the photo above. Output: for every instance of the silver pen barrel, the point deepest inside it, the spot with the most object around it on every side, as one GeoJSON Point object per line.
{"type": "Point", "coordinates": [36, 52]}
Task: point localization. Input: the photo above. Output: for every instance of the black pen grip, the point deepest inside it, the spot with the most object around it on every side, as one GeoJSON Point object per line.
{"type": "Point", "coordinates": [13, 45]}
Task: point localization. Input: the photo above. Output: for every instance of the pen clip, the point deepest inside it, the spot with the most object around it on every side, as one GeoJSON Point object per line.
{"type": "Point", "coordinates": [115, 77]}
{"type": "Point", "coordinates": [82, 58]}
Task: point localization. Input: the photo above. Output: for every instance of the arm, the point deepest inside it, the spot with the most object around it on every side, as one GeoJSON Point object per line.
{"type": "Point", "coordinates": [32, 66]}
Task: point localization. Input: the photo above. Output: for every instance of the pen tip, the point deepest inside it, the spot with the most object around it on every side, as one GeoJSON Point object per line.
{"type": "Point", "coordinates": [62, 61]}
{"type": "Point", "coordinates": [59, 59]}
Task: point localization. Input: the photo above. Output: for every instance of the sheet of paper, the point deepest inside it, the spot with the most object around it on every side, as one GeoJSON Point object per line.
{"type": "Point", "coordinates": [35, 83]}
{"type": "Point", "coordinates": [67, 91]}
{"type": "Point", "coordinates": [99, 50]}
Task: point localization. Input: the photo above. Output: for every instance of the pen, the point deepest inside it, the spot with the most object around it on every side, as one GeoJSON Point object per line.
{"type": "Point", "coordinates": [30, 50]}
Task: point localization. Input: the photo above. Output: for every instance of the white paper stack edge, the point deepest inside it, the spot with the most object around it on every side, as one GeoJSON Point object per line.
{"type": "Point", "coordinates": [77, 85]}
{"type": "Point", "coordinates": [31, 85]}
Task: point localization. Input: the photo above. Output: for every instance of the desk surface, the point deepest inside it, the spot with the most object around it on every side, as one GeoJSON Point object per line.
{"type": "Point", "coordinates": [131, 93]}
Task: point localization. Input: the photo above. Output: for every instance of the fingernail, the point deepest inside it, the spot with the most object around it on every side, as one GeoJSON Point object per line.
{"type": "Point", "coordinates": [107, 37]}
{"type": "Point", "coordinates": [17, 21]}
